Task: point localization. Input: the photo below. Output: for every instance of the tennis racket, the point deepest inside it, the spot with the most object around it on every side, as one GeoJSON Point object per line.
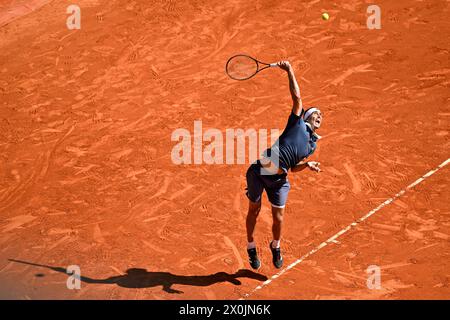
{"type": "Point", "coordinates": [243, 67]}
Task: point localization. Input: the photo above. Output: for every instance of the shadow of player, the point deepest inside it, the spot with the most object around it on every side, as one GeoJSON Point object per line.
{"type": "Point", "coordinates": [141, 278]}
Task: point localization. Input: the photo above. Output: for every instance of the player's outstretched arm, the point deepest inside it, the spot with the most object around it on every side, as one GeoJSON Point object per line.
{"type": "Point", "coordinates": [293, 87]}
{"type": "Point", "coordinates": [312, 165]}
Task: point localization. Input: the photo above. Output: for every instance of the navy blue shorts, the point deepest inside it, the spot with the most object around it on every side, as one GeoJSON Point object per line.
{"type": "Point", "coordinates": [277, 186]}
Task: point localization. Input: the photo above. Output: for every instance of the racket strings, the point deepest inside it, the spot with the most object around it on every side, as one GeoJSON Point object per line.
{"type": "Point", "coordinates": [241, 67]}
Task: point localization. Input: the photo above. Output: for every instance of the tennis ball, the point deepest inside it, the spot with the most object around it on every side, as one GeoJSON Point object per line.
{"type": "Point", "coordinates": [325, 16]}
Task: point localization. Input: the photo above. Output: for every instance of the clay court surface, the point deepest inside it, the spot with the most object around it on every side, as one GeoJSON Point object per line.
{"type": "Point", "coordinates": [86, 178]}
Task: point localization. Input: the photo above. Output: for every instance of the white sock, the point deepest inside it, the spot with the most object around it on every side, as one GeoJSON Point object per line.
{"type": "Point", "coordinates": [275, 244]}
{"type": "Point", "coordinates": [251, 245]}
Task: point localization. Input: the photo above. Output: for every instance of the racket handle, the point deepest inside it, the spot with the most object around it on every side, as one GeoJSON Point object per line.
{"type": "Point", "coordinates": [273, 64]}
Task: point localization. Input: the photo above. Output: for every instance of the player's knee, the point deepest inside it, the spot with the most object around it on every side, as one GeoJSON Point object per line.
{"type": "Point", "coordinates": [254, 210]}
{"type": "Point", "coordinates": [278, 216]}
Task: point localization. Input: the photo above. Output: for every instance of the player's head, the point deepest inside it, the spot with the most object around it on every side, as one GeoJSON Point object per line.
{"type": "Point", "coordinates": [313, 116]}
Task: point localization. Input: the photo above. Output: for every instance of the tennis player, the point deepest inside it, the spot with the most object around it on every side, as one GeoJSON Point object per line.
{"type": "Point", "coordinates": [293, 147]}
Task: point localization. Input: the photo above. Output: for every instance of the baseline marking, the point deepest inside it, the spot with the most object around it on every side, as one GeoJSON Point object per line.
{"type": "Point", "coordinates": [347, 228]}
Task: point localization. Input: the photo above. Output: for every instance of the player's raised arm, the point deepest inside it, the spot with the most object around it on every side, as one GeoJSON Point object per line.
{"type": "Point", "coordinates": [293, 87]}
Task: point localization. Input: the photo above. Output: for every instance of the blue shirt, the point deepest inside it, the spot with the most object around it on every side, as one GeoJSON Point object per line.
{"type": "Point", "coordinates": [297, 142]}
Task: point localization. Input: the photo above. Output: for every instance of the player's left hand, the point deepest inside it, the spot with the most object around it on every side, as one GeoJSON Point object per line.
{"type": "Point", "coordinates": [313, 165]}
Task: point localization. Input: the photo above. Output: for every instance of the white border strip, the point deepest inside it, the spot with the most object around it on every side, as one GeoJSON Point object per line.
{"type": "Point", "coordinates": [340, 233]}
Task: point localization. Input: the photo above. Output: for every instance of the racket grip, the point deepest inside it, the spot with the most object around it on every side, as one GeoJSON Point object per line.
{"type": "Point", "coordinates": [273, 64]}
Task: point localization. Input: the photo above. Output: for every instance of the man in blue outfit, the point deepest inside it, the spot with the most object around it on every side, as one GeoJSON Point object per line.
{"type": "Point", "coordinates": [296, 143]}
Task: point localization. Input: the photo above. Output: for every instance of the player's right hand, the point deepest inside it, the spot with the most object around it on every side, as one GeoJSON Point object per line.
{"type": "Point", "coordinates": [285, 65]}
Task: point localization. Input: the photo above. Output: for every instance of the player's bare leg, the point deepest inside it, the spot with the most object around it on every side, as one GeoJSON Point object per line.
{"type": "Point", "coordinates": [277, 215]}
{"type": "Point", "coordinates": [253, 211]}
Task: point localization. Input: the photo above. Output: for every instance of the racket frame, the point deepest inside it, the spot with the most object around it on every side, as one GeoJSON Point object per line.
{"type": "Point", "coordinates": [258, 63]}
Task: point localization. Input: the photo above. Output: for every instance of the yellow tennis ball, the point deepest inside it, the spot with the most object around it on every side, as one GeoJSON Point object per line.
{"type": "Point", "coordinates": [325, 16]}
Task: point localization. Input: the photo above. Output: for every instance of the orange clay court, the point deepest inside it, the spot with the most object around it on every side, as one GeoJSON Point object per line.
{"type": "Point", "coordinates": [87, 179]}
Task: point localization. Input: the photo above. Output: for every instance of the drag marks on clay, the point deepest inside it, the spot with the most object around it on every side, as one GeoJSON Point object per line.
{"type": "Point", "coordinates": [158, 218]}
{"type": "Point", "coordinates": [370, 184]}
{"type": "Point", "coordinates": [198, 197]}
{"type": "Point", "coordinates": [17, 9]}
{"type": "Point", "coordinates": [432, 78]}
{"type": "Point", "coordinates": [214, 257]}
{"type": "Point", "coordinates": [156, 248]}
{"type": "Point", "coordinates": [389, 288]}
{"type": "Point", "coordinates": [355, 182]}
{"type": "Point", "coordinates": [58, 231]}
{"type": "Point", "coordinates": [85, 169]}
{"type": "Point", "coordinates": [440, 235]}
{"type": "Point", "coordinates": [17, 222]}
{"type": "Point", "coordinates": [393, 228]}
{"type": "Point", "coordinates": [362, 68]}
{"type": "Point", "coordinates": [64, 240]}
{"type": "Point", "coordinates": [97, 234]}
{"type": "Point", "coordinates": [236, 253]}
{"type": "Point", "coordinates": [163, 189]}
{"type": "Point", "coordinates": [413, 235]}
{"type": "Point", "coordinates": [181, 192]}
{"type": "Point", "coordinates": [17, 192]}
{"type": "Point", "coordinates": [118, 80]}
{"type": "Point", "coordinates": [221, 38]}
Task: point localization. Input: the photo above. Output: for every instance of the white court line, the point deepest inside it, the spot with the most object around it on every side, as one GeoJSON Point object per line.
{"type": "Point", "coordinates": [347, 228]}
